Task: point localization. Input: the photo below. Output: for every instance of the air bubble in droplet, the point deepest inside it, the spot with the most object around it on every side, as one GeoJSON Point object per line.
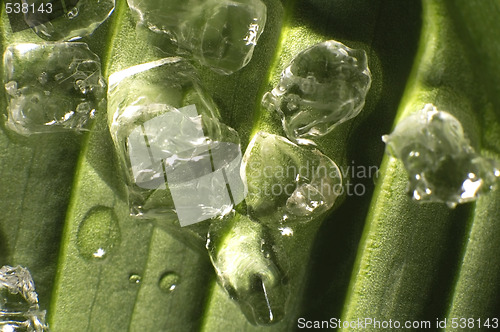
{"type": "Point", "coordinates": [81, 85]}
{"type": "Point", "coordinates": [168, 282]}
{"type": "Point", "coordinates": [98, 234]}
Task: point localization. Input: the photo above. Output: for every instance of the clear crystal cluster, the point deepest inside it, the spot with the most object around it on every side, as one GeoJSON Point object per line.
{"type": "Point", "coordinates": [220, 34]}
{"type": "Point", "coordinates": [442, 165]}
{"type": "Point", "coordinates": [51, 87]}
{"type": "Point", "coordinates": [19, 309]}
{"type": "Point", "coordinates": [286, 182]}
{"type": "Point", "coordinates": [324, 86]}
{"type": "Point", "coordinates": [181, 161]}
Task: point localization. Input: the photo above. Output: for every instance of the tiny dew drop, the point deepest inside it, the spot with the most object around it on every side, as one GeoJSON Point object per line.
{"type": "Point", "coordinates": [168, 282]}
{"type": "Point", "coordinates": [98, 234]}
{"type": "Point", "coordinates": [134, 279]}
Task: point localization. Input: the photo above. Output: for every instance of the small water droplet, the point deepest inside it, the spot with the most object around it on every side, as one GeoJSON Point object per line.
{"type": "Point", "coordinates": [98, 234]}
{"type": "Point", "coordinates": [134, 279]}
{"type": "Point", "coordinates": [168, 282]}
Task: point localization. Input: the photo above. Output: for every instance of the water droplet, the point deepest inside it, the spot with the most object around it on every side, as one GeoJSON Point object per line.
{"type": "Point", "coordinates": [98, 234]}
{"type": "Point", "coordinates": [220, 34]}
{"type": "Point", "coordinates": [168, 282]}
{"type": "Point", "coordinates": [135, 279]}
{"type": "Point", "coordinates": [328, 82]}
{"type": "Point", "coordinates": [81, 86]}
{"type": "Point", "coordinates": [442, 165]}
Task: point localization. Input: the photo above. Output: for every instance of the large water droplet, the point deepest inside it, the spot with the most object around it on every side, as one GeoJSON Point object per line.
{"type": "Point", "coordinates": [442, 165]}
{"type": "Point", "coordinates": [324, 86]}
{"type": "Point", "coordinates": [168, 282]}
{"type": "Point", "coordinates": [221, 34]}
{"type": "Point", "coordinates": [98, 234]}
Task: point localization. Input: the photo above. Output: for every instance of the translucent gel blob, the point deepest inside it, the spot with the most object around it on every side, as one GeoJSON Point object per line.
{"type": "Point", "coordinates": [19, 309]}
{"type": "Point", "coordinates": [221, 34]}
{"type": "Point", "coordinates": [248, 267]}
{"type": "Point", "coordinates": [181, 162]}
{"type": "Point", "coordinates": [68, 19]}
{"type": "Point", "coordinates": [442, 165]}
{"type": "Point", "coordinates": [324, 86]}
{"type": "Point", "coordinates": [51, 87]}
{"type": "Point", "coordinates": [288, 183]}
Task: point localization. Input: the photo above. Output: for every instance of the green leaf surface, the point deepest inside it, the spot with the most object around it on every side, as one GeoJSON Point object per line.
{"type": "Point", "coordinates": [376, 255]}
